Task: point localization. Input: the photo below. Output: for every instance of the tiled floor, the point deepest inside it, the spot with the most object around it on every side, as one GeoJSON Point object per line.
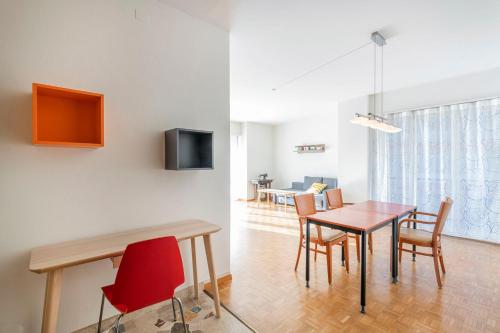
{"type": "Point", "coordinates": [159, 319]}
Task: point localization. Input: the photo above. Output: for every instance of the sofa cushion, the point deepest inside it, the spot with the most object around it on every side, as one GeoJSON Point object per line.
{"type": "Point", "coordinates": [316, 188]}
{"type": "Point", "coordinates": [308, 181]}
{"type": "Point", "coordinates": [330, 182]}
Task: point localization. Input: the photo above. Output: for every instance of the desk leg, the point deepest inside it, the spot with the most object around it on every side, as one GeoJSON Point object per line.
{"type": "Point", "coordinates": [195, 270]}
{"type": "Point", "coordinates": [52, 299]}
{"type": "Point", "coordinates": [363, 272]}
{"type": "Point", "coordinates": [308, 238]}
{"type": "Point", "coordinates": [394, 257]}
{"type": "Point", "coordinates": [286, 197]}
{"type": "Point", "coordinates": [211, 270]}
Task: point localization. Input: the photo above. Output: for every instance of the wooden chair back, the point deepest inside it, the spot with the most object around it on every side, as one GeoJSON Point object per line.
{"type": "Point", "coordinates": [334, 198]}
{"type": "Point", "coordinates": [444, 210]}
{"type": "Point", "coordinates": [306, 205]}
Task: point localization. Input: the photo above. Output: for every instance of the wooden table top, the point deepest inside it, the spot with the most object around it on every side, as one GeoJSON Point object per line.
{"type": "Point", "coordinates": [276, 191]}
{"type": "Point", "coordinates": [383, 207]}
{"type": "Point", "coordinates": [363, 216]}
{"type": "Point", "coordinates": [261, 181]}
{"type": "Point", "coordinates": [351, 218]}
{"type": "Point", "coordinates": [50, 257]}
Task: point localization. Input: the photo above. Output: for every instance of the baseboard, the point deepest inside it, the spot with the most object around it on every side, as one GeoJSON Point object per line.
{"type": "Point", "coordinates": [225, 278]}
{"type": "Point", "coordinates": [472, 239]}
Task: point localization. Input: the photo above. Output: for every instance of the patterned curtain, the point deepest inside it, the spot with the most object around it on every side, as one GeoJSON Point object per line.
{"type": "Point", "coordinates": [451, 150]}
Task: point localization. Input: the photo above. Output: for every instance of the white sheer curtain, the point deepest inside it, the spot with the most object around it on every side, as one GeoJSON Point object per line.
{"type": "Point", "coordinates": [452, 150]}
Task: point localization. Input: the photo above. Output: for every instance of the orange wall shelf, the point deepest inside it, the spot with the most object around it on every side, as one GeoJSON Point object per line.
{"type": "Point", "coordinates": [67, 117]}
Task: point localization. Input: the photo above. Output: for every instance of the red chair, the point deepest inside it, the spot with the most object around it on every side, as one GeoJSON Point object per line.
{"type": "Point", "coordinates": [148, 274]}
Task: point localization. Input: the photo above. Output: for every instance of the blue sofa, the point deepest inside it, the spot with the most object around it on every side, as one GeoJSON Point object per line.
{"type": "Point", "coordinates": [303, 186]}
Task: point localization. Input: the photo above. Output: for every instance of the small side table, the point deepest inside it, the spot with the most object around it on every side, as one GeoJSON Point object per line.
{"type": "Point", "coordinates": [260, 184]}
{"type": "Point", "coordinates": [278, 193]}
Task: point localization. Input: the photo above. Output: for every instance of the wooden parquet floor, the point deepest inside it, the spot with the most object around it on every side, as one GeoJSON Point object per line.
{"type": "Point", "coordinates": [270, 296]}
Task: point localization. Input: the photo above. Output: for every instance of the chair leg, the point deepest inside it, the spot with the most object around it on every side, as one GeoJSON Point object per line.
{"type": "Point", "coordinates": [99, 323]}
{"type": "Point", "coordinates": [400, 251]}
{"type": "Point", "coordinates": [370, 243]}
{"type": "Point", "coordinates": [441, 261]}
{"type": "Point", "coordinates": [298, 255]}
{"type": "Point", "coordinates": [357, 247]}
{"type": "Point", "coordinates": [346, 253]}
{"type": "Point", "coordinates": [117, 323]}
{"type": "Point", "coordinates": [182, 313]}
{"type": "Point", "coordinates": [173, 310]}
{"type": "Point", "coordinates": [315, 251]}
{"type": "Point", "coordinates": [329, 261]}
{"type": "Point", "coordinates": [435, 256]}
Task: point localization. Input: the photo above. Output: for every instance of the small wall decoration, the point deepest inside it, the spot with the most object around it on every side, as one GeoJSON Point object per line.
{"type": "Point", "coordinates": [188, 149]}
{"type": "Point", "coordinates": [67, 117]}
{"type": "Point", "coordinates": [317, 148]}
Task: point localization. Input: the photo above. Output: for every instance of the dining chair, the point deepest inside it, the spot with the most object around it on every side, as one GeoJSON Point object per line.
{"type": "Point", "coordinates": [148, 274]}
{"type": "Point", "coordinates": [333, 201]}
{"type": "Point", "coordinates": [305, 205]}
{"type": "Point", "coordinates": [422, 238]}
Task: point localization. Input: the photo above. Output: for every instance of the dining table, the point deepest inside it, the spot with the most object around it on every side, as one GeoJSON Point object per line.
{"type": "Point", "coordinates": [361, 219]}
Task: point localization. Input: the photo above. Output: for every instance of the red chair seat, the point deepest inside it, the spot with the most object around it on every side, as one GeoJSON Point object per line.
{"type": "Point", "coordinates": [108, 293]}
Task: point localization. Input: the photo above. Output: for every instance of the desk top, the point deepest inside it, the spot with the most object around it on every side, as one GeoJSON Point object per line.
{"type": "Point", "coordinates": [363, 216]}
{"type": "Point", "coordinates": [51, 257]}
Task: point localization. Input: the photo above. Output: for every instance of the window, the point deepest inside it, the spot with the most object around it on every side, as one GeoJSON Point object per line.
{"type": "Point", "coordinates": [451, 150]}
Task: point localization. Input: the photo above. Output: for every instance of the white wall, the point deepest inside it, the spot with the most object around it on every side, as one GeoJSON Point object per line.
{"type": "Point", "coordinates": [258, 143]}
{"type": "Point", "coordinates": [353, 151]}
{"type": "Point", "coordinates": [238, 177]}
{"type": "Point", "coordinates": [291, 166]}
{"type": "Point", "coordinates": [162, 70]}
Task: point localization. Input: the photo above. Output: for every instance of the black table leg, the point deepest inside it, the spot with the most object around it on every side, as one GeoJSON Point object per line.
{"type": "Point", "coordinates": [395, 239]}
{"type": "Point", "coordinates": [363, 272]}
{"type": "Point", "coordinates": [343, 256]}
{"type": "Point", "coordinates": [414, 227]}
{"type": "Point", "coordinates": [308, 236]}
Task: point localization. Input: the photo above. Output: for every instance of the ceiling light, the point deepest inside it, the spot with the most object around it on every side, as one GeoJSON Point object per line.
{"type": "Point", "coordinates": [372, 120]}
{"type": "Point", "coordinates": [360, 120]}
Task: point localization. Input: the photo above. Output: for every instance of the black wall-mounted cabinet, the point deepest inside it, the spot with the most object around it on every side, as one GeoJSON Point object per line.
{"type": "Point", "coordinates": [187, 149]}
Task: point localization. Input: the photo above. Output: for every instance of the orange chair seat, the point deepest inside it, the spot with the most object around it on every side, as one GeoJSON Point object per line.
{"type": "Point", "coordinates": [327, 234]}
{"type": "Point", "coordinates": [417, 236]}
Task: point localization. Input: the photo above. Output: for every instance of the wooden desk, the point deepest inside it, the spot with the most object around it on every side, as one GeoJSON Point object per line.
{"type": "Point", "coordinates": [361, 219]}
{"type": "Point", "coordinates": [52, 259]}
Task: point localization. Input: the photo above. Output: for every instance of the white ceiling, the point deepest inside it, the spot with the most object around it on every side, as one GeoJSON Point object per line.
{"type": "Point", "coordinates": [272, 42]}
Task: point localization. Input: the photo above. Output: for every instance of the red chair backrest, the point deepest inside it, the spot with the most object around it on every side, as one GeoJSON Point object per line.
{"type": "Point", "coordinates": [149, 273]}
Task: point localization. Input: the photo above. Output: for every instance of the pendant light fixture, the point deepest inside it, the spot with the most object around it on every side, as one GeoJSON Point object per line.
{"type": "Point", "coordinates": [373, 120]}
